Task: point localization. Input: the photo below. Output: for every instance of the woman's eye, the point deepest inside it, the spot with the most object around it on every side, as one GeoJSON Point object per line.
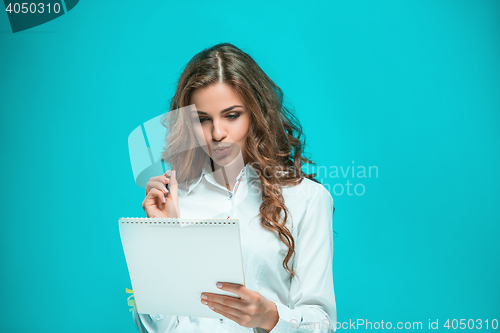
{"type": "Point", "coordinates": [231, 116]}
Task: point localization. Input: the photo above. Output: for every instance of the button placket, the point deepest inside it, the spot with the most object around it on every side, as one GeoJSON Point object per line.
{"type": "Point", "coordinates": [232, 194]}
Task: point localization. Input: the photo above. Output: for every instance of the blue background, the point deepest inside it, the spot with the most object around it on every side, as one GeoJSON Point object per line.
{"type": "Point", "coordinates": [411, 87]}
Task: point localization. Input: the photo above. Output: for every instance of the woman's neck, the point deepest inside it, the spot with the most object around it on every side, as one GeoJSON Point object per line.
{"type": "Point", "coordinates": [226, 174]}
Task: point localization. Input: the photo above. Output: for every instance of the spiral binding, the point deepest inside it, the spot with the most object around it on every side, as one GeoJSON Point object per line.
{"type": "Point", "coordinates": [146, 220]}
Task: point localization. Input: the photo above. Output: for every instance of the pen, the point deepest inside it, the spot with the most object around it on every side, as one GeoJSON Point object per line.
{"type": "Point", "coordinates": [167, 187]}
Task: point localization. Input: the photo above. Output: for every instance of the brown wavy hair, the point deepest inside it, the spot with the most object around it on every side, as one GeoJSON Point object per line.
{"type": "Point", "coordinates": [275, 141]}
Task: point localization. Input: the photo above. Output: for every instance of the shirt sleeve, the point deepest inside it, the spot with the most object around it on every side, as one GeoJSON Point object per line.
{"type": "Point", "coordinates": [146, 323]}
{"type": "Point", "coordinates": [312, 305]}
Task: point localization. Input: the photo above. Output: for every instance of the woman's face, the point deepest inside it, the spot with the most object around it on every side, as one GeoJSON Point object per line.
{"type": "Point", "coordinates": [224, 122]}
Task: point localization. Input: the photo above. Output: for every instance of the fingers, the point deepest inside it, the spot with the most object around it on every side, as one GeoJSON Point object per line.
{"type": "Point", "coordinates": [228, 312]}
{"type": "Point", "coordinates": [156, 194]}
{"type": "Point", "coordinates": [173, 176]}
{"type": "Point", "coordinates": [158, 182]}
{"type": "Point", "coordinates": [235, 288]}
{"type": "Point", "coordinates": [156, 185]}
{"type": "Point", "coordinates": [223, 300]}
{"type": "Point", "coordinates": [154, 204]}
{"type": "Point", "coordinates": [161, 179]}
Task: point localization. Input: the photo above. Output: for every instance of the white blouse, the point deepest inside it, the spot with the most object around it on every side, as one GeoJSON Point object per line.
{"type": "Point", "coordinates": [306, 304]}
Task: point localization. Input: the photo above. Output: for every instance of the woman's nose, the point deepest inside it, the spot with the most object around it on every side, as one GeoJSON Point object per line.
{"type": "Point", "coordinates": [218, 131]}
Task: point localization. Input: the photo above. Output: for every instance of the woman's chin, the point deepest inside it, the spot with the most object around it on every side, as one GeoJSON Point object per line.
{"type": "Point", "coordinates": [226, 159]}
{"type": "Point", "coordinates": [222, 160]}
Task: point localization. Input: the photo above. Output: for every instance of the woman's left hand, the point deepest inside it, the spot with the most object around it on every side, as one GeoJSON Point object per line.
{"type": "Point", "coordinates": [250, 310]}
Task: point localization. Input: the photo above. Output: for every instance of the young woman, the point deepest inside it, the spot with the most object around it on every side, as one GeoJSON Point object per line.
{"type": "Point", "coordinates": [239, 154]}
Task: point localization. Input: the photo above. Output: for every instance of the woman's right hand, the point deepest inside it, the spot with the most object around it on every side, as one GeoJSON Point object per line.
{"type": "Point", "coordinates": [155, 204]}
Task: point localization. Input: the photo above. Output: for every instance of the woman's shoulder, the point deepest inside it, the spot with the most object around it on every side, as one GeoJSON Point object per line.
{"type": "Point", "coordinates": [309, 203]}
{"type": "Point", "coordinates": [310, 190]}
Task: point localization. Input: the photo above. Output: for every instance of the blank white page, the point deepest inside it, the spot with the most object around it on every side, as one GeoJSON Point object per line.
{"type": "Point", "coordinates": [172, 261]}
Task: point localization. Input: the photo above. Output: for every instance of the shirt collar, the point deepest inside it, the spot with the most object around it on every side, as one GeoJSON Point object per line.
{"type": "Point", "coordinates": [247, 172]}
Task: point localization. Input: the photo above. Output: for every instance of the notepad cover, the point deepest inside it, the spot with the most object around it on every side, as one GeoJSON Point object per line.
{"type": "Point", "coordinates": [172, 261]}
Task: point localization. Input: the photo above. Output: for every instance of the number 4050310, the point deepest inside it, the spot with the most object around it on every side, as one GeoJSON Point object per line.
{"type": "Point", "coordinates": [33, 8]}
{"type": "Point", "coordinates": [471, 324]}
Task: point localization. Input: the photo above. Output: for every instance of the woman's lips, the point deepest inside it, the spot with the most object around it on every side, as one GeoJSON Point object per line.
{"type": "Point", "coordinates": [222, 151]}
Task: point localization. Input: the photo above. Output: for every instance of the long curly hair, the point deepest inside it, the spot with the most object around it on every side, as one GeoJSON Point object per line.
{"type": "Point", "coordinates": [275, 141]}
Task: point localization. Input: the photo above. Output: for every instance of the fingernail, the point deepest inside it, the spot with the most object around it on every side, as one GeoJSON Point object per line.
{"type": "Point", "coordinates": [173, 173]}
{"type": "Point", "coordinates": [218, 285]}
{"type": "Point", "coordinates": [204, 296]}
{"type": "Point", "coordinates": [163, 199]}
{"type": "Point", "coordinates": [211, 308]}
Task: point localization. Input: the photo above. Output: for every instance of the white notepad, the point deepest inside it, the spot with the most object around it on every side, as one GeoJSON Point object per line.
{"type": "Point", "coordinates": [172, 261]}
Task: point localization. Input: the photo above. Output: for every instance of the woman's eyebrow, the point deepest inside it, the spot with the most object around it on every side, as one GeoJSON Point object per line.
{"type": "Point", "coordinates": [225, 110]}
